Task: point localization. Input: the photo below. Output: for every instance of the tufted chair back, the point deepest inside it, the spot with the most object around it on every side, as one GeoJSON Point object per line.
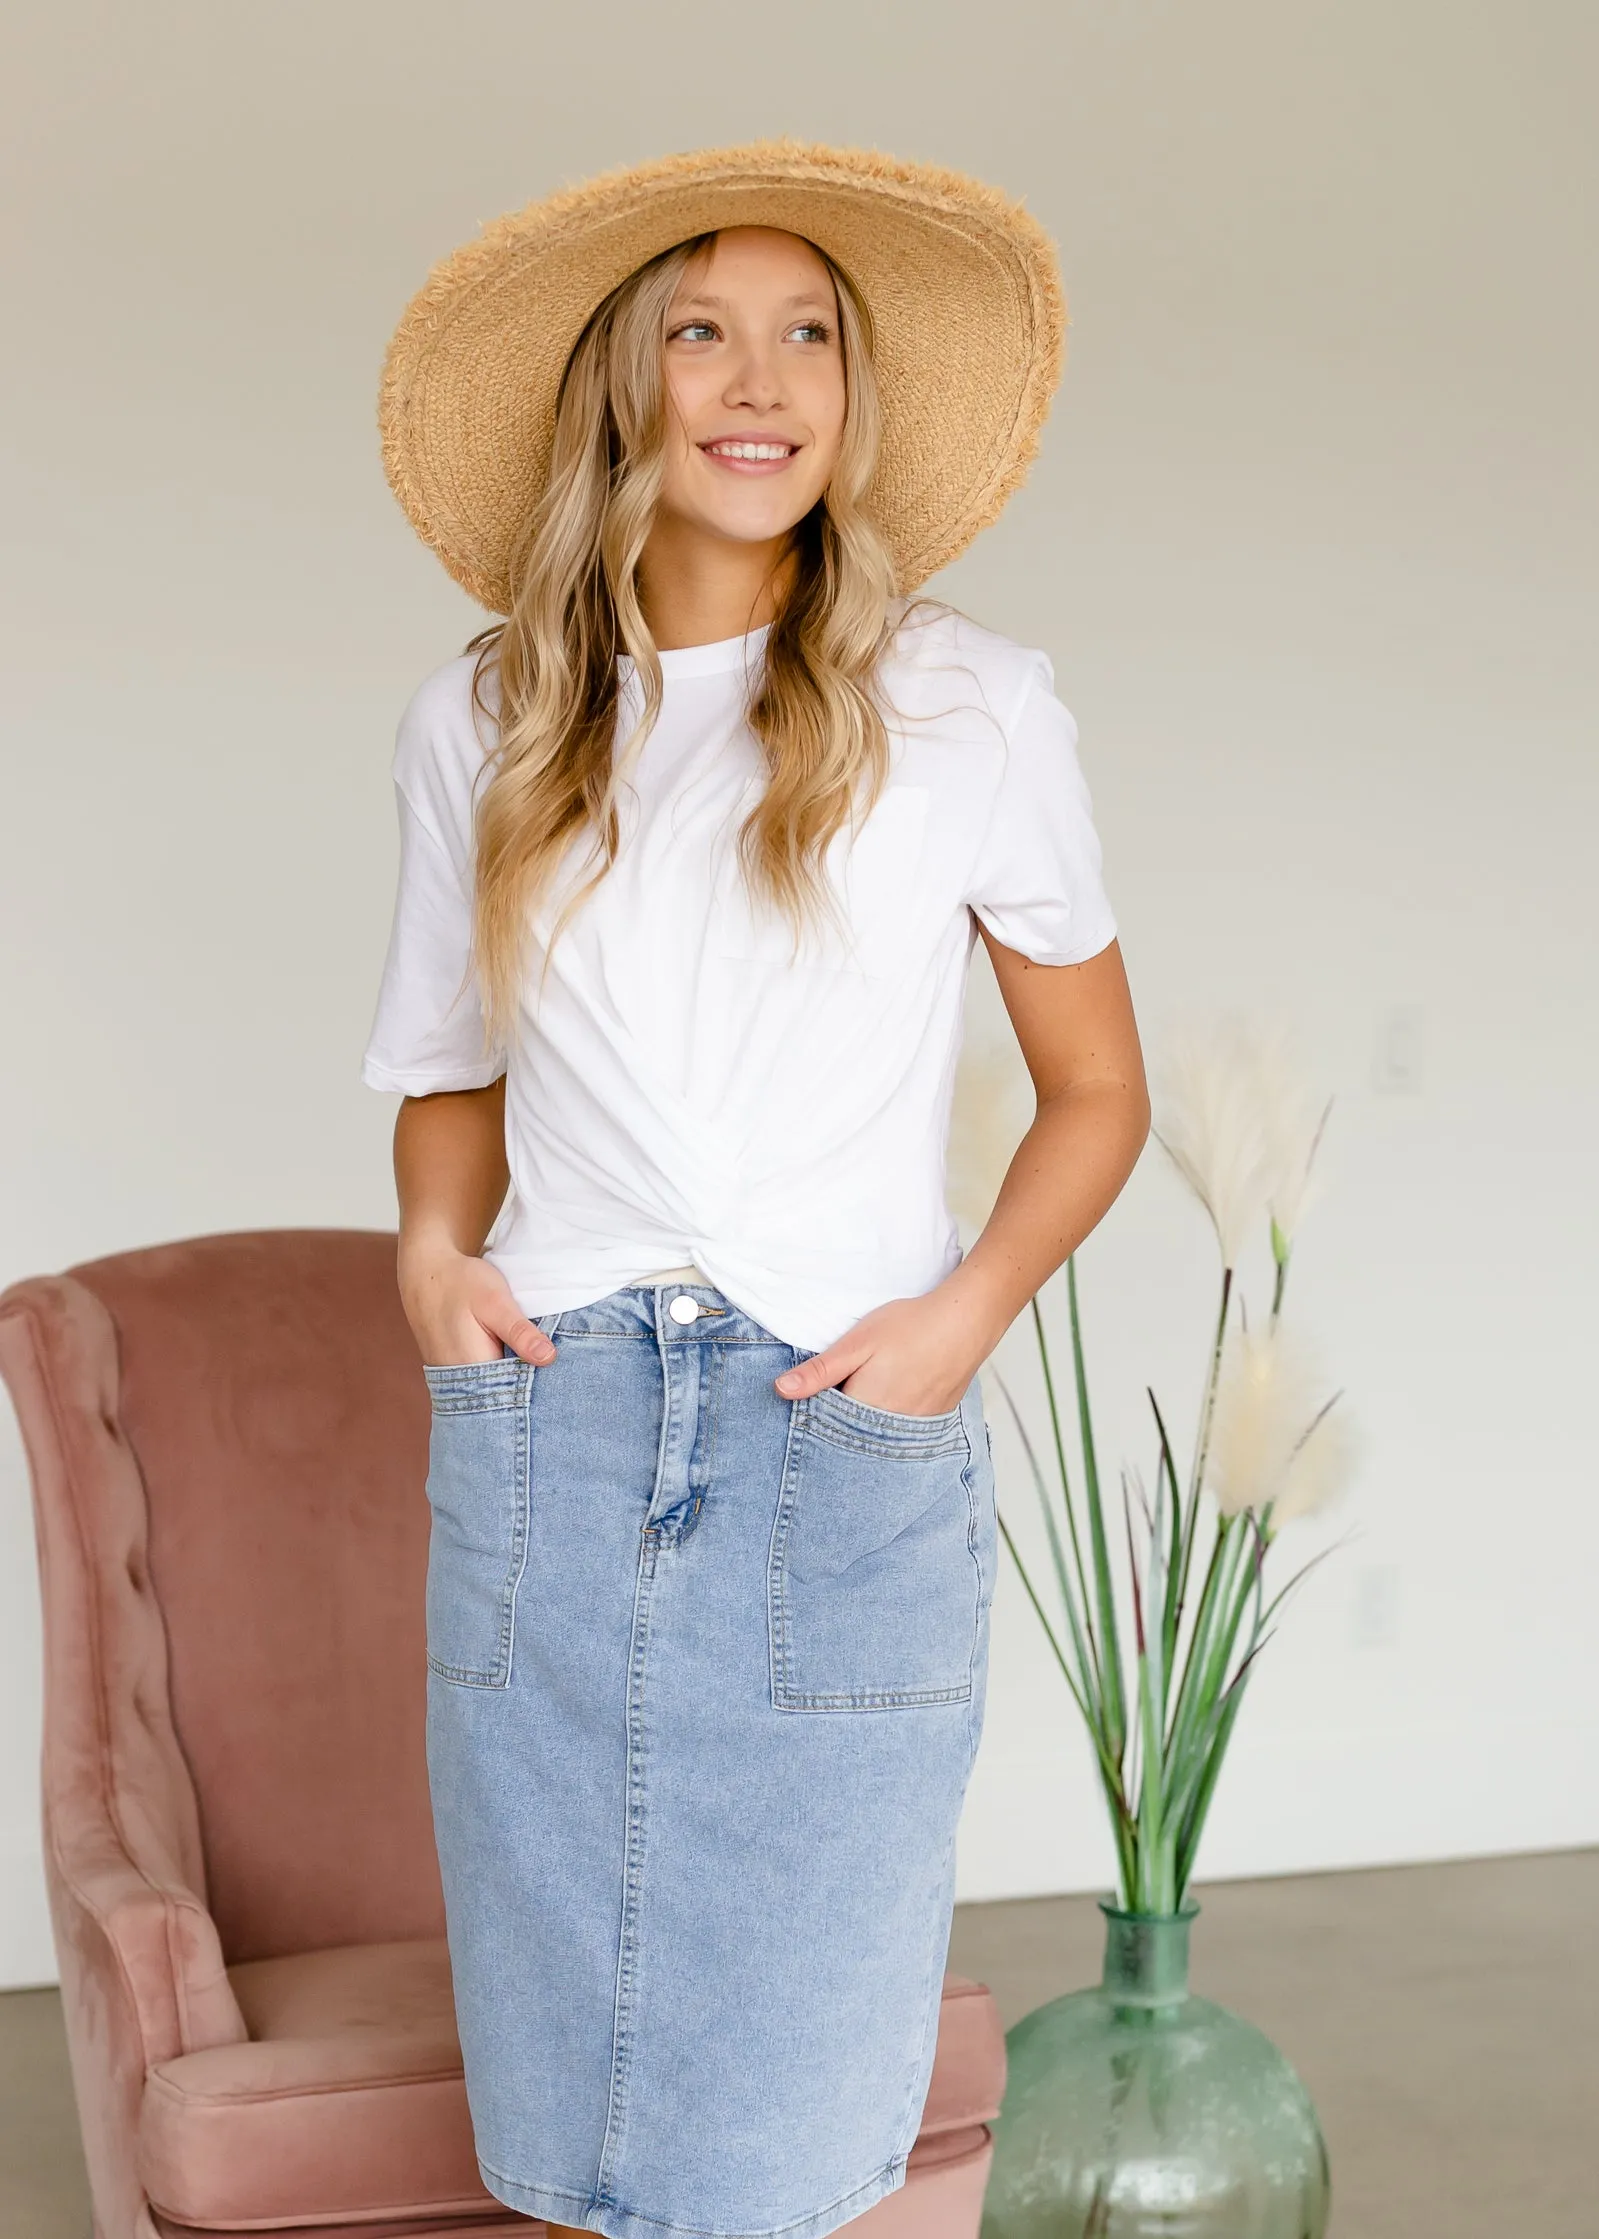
{"type": "Point", "coordinates": [233, 1519]}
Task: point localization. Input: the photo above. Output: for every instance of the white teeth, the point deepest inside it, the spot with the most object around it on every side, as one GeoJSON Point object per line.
{"type": "Point", "coordinates": [750, 450]}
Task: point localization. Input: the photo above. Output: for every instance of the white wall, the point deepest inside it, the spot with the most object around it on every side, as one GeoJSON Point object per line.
{"type": "Point", "coordinates": [1312, 543]}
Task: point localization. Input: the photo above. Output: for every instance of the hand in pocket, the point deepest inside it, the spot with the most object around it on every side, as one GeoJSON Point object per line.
{"type": "Point", "coordinates": [461, 1310]}
{"type": "Point", "coordinates": [911, 1356]}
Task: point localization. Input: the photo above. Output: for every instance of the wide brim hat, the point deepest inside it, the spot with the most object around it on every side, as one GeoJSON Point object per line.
{"type": "Point", "coordinates": [959, 281]}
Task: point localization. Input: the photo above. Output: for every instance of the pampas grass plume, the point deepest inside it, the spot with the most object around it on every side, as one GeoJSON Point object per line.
{"type": "Point", "coordinates": [1233, 1113]}
{"type": "Point", "coordinates": [1291, 1128]}
{"type": "Point", "coordinates": [1208, 1121]}
{"type": "Point", "coordinates": [1276, 1440]}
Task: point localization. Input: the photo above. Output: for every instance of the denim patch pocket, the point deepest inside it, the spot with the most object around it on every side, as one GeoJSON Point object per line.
{"type": "Point", "coordinates": [875, 1583]}
{"type": "Point", "coordinates": [478, 1492]}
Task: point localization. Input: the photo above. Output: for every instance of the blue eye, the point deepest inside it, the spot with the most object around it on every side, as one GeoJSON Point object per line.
{"type": "Point", "coordinates": [812, 330]}
{"type": "Point", "coordinates": [694, 330]}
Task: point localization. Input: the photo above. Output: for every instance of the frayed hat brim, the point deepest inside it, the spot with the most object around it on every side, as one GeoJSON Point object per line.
{"type": "Point", "coordinates": [968, 328]}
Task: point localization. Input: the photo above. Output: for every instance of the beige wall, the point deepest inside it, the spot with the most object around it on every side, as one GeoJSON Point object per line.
{"type": "Point", "coordinates": [1312, 543]}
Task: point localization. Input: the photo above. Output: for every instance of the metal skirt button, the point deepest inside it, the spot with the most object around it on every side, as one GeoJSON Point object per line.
{"type": "Point", "coordinates": [684, 1309]}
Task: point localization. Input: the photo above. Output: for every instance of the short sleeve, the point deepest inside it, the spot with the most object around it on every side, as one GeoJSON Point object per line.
{"type": "Point", "coordinates": [1036, 880]}
{"type": "Point", "coordinates": [428, 1031]}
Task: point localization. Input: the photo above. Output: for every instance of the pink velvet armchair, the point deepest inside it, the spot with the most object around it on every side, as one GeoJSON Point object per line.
{"type": "Point", "coordinates": [227, 1440]}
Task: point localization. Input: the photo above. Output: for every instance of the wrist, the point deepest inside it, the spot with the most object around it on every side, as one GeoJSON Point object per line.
{"type": "Point", "coordinates": [425, 1249]}
{"type": "Point", "coordinates": [984, 1299]}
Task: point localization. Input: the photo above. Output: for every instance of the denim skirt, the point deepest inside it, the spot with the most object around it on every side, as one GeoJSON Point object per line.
{"type": "Point", "coordinates": [705, 1682]}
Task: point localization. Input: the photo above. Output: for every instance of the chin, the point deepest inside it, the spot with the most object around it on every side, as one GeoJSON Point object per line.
{"type": "Point", "coordinates": [753, 515]}
{"type": "Point", "coordinates": [764, 532]}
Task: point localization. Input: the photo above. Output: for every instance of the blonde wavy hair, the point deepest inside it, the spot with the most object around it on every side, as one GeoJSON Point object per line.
{"type": "Point", "coordinates": [554, 768]}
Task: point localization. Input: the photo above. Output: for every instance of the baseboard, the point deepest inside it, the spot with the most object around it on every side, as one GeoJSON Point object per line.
{"type": "Point", "coordinates": [27, 1952]}
{"type": "Point", "coordinates": [1293, 1803]}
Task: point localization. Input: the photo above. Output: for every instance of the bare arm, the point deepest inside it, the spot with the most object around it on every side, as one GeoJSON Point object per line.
{"type": "Point", "coordinates": [451, 1178]}
{"type": "Point", "coordinates": [1075, 1025]}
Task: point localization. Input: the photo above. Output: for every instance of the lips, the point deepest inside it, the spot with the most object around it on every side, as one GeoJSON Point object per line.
{"type": "Point", "coordinates": [747, 447]}
{"type": "Point", "coordinates": [747, 451]}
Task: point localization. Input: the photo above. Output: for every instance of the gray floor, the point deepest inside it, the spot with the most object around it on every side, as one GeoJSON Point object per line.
{"type": "Point", "coordinates": [1445, 2019]}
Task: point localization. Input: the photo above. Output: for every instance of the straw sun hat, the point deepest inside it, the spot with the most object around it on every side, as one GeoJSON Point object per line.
{"type": "Point", "coordinates": [959, 281]}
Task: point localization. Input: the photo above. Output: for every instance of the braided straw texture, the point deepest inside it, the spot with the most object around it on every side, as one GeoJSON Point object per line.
{"type": "Point", "coordinates": [968, 329]}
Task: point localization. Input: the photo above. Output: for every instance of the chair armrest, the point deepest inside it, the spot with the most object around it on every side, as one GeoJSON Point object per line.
{"type": "Point", "coordinates": [141, 1973]}
{"type": "Point", "coordinates": [157, 1941]}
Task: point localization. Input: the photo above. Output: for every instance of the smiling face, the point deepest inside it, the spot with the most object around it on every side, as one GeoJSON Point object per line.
{"type": "Point", "coordinates": [755, 387]}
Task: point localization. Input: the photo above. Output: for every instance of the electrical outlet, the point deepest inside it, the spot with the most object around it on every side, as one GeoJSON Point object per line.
{"type": "Point", "coordinates": [1374, 1608]}
{"type": "Point", "coordinates": [1397, 1059]}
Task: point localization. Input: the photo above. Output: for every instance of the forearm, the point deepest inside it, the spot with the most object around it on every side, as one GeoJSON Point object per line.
{"type": "Point", "coordinates": [451, 1175]}
{"type": "Point", "coordinates": [1068, 1170]}
{"type": "Point", "coordinates": [450, 1172]}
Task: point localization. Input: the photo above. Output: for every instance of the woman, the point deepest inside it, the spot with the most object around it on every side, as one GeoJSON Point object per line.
{"type": "Point", "coordinates": [696, 845]}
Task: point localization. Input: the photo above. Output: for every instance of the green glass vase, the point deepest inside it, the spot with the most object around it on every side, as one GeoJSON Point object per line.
{"type": "Point", "coordinates": [1136, 2109]}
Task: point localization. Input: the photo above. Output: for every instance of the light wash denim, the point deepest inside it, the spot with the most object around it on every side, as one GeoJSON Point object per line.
{"type": "Point", "coordinates": [706, 1676]}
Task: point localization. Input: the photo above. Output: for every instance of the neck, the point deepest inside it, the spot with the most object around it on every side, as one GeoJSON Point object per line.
{"type": "Point", "coordinates": [697, 589]}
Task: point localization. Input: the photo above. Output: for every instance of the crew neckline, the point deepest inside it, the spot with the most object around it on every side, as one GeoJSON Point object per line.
{"type": "Point", "coordinates": [723, 655]}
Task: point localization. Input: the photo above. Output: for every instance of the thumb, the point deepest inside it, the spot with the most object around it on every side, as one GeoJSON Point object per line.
{"type": "Point", "coordinates": [525, 1338]}
{"type": "Point", "coordinates": [822, 1369]}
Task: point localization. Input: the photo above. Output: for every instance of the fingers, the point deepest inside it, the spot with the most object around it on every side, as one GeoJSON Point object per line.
{"type": "Point", "coordinates": [822, 1369]}
{"type": "Point", "coordinates": [527, 1341]}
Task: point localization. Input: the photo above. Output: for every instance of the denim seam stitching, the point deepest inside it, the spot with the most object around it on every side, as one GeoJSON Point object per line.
{"type": "Point", "coordinates": [779, 1642]}
{"type": "Point", "coordinates": [522, 1527]}
{"type": "Point", "coordinates": [499, 1674]}
{"type": "Point", "coordinates": [785, 1694]}
{"type": "Point", "coordinates": [711, 1380]}
{"type": "Point", "coordinates": [645, 1336]}
{"type": "Point", "coordinates": [894, 1420]}
{"type": "Point", "coordinates": [633, 1865]}
{"type": "Point", "coordinates": [881, 2182]}
{"type": "Point", "coordinates": [632, 1882]}
{"type": "Point", "coordinates": [585, 2200]}
{"type": "Point", "coordinates": [452, 1404]}
{"type": "Point", "coordinates": [877, 1699]}
{"type": "Point", "coordinates": [977, 1561]}
{"type": "Point", "coordinates": [887, 1447]}
{"type": "Point", "coordinates": [932, 2009]}
{"type": "Point", "coordinates": [975, 1708]}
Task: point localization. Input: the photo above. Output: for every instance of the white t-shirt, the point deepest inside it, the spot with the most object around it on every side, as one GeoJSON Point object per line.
{"type": "Point", "coordinates": [684, 1093]}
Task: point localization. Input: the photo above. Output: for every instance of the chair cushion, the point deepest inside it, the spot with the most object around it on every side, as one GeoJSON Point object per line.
{"type": "Point", "coordinates": [348, 2100]}
{"type": "Point", "coordinates": [969, 2064]}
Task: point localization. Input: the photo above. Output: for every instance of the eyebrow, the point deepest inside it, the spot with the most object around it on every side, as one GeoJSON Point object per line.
{"type": "Point", "coordinates": [809, 301]}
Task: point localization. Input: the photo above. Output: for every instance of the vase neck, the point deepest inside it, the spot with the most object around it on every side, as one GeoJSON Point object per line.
{"type": "Point", "coordinates": [1146, 1956]}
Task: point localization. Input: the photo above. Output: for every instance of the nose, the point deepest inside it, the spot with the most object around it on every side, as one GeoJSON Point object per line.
{"type": "Point", "coordinates": [755, 381]}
